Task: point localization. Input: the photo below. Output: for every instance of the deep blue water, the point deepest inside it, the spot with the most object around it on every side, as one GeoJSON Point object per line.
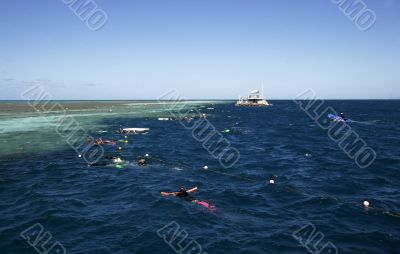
{"type": "Point", "coordinates": [111, 210]}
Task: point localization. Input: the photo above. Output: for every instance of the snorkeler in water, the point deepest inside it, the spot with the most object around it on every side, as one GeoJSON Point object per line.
{"type": "Point", "coordinates": [109, 157]}
{"type": "Point", "coordinates": [343, 116]}
{"type": "Point", "coordinates": [141, 162]}
{"type": "Point", "coordinates": [100, 141]}
{"type": "Point", "coordinates": [183, 193]}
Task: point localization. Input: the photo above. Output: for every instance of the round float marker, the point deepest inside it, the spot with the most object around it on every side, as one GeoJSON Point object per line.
{"type": "Point", "coordinates": [80, 155]}
{"type": "Point", "coordinates": [271, 181]}
{"type": "Point", "coordinates": [366, 204]}
{"type": "Point", "coordinates": [205, 167]}
{"type": "Point", "coordinates": [146, 155]}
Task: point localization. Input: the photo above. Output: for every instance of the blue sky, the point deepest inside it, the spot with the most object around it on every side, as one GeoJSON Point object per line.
{"type": "Point", "coordinates": [203, 48]}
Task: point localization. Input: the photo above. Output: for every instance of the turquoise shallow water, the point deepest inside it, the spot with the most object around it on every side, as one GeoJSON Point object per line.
{"type": "Point", "coordinates": [24, 130]}
{"type": "Point", "coordinates": [109, 209]}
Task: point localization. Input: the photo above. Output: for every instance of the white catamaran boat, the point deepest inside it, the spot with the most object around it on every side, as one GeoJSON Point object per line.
{"type": "Point", "coordinates": [255, 98]}
{"type": "Point", "coordinates": [134, 130]}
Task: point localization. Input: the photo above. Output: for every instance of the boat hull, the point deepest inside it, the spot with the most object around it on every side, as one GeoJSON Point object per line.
{"type": "Point", "coordinates": [248, 104]}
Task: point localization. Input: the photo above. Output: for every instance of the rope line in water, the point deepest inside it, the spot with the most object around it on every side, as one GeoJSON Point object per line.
{"type": "Point", "coordinates": [211, 170]}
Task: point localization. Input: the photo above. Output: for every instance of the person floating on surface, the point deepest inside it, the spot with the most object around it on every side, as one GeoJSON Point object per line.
{"type": "Point", "coordinates": [343, 116]}
{"type": "Point", "coordinates": [100, 141]}
{"type": "Point", "coordinates": [141, 162]}
{"type": "Point", "coordinates": [183, 193]}
{"type": "Point", "coordinates": [109, 157]}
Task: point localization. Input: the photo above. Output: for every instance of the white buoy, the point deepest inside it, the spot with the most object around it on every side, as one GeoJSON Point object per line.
{"type": "Point", "coordinates": [146, 155]}
{"type": "Point", "coordinates": [271, 181]}
{"type": "Point", "coordinates": [205, 167]}
{"type": "Point", "coordinates": [80, 155]}
{"type": "Point", "coordinates": [366, 204]}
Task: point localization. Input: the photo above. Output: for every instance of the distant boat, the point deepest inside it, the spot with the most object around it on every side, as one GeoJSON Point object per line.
{"type": "Point", "coordinates": [255, 98]}
{"type": "Point", "coordinates": [135, 130]}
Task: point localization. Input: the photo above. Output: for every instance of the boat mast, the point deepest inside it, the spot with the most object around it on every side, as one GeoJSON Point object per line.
{"type": "Point", "coordinates": [262, 90]}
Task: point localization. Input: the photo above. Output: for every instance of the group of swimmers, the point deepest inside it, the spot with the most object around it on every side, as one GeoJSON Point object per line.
{"type": "Point", "coordinates": [182, 193]}
{"type": "Point", "coordinates": [115, 159]}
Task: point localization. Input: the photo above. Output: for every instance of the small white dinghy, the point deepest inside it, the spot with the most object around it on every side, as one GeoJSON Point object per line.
{"type": "Point", "coordinates": [135, 130]}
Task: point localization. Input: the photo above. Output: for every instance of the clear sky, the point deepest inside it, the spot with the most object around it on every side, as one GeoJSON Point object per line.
{"type": "Point", "coordinates": [203, 48]}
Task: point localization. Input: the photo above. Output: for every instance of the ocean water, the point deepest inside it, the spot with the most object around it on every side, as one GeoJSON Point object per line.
{"type": "Point", "coordinates": [119, 209]}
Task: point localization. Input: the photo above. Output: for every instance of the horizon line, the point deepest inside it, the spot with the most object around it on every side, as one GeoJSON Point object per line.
{"type": "Point", "coordinates": [332, 99]}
